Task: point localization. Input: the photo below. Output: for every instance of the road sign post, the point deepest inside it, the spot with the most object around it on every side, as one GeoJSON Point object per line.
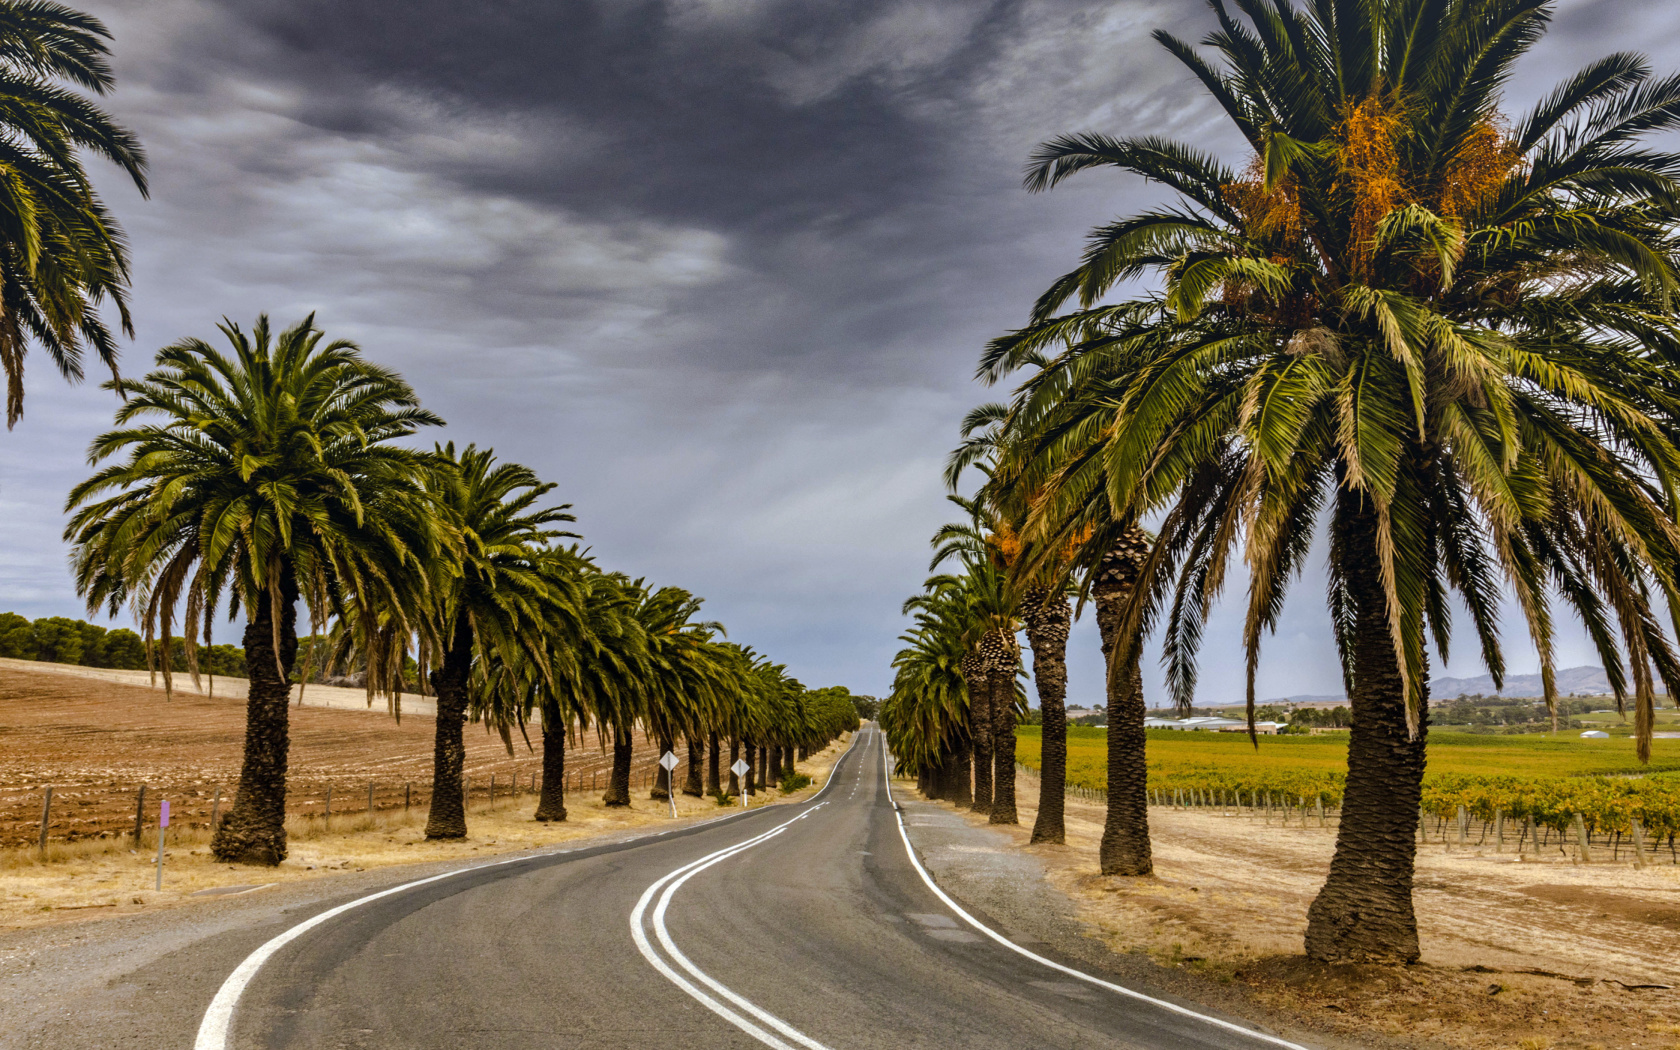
{"type": "Point", "coordinates": [741, 769]}
{"type": "Point", "coordinates": [668, 762]}
{"type": "Point", "coordinates": [163, 831]}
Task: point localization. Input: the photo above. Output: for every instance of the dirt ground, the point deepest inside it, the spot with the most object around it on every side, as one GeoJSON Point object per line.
{"type": "Point", "coordinates": [97, 742]}
{"type": "Point", "coordinates": [1522, 954]}
{"type": "Point", "coordinates": [42, 720]}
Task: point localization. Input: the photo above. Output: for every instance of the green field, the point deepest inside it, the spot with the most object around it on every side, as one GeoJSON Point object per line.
{"type": "Point", "coordinates": [1535, 754]}
{"type": "Point", "coordinates": [1548, 777]}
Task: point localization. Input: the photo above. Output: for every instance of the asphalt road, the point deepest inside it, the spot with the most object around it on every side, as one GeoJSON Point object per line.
{"type": "Point", "coordinates": [811, 926]}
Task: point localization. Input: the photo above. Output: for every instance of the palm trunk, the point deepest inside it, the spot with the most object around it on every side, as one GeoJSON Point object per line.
{"type": "Point", "coordinates": [788, 768]}
{"type": "Point", "coordinates": [1049, 618]}
{"type": "Point", "coordinates": [714, 784]}
{"type": "Point", "coordinates": [1002, 676]}
{"type": "Point", "coordinates": [552, 803]}
{"type": "Point", "coordinates": [691, 782]}
{"type": "Point", "coordinates": [734, 757]}
{"type": "Point", "coordinates": [940, 775]}
{"type": "Point", "coordinates": [254, 830]}
{"type": "Point", "coordinates": [618, 783]}
{"type": "Point", "coordinates": [762, 781]}
{"type": "Point", "coordinates": [775, 764]}
{"type": "Point", "coordinates": [662, 776]}
{"type": "Point", "coordinates": [980, 730]}
{"type": "Point", "coordinates": [1125, 846]}
{"type": "Point", "coordinates": [1364, 912]}
{"type": "Point", "coordinates": [962, 788]}
{"type": "Point", "coordinates": [447, 818]}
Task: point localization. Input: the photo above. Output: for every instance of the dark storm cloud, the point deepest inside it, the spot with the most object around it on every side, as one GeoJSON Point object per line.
{"type": "Point", "coordinates": [718, 267]}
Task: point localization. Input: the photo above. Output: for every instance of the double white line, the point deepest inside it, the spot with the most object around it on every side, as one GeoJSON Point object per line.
{"type": "Point", "coordinates": [748, 1017]}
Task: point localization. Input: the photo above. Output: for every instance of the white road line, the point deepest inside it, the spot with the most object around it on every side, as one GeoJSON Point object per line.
{"type": "Point", "coordinates": [1132, 993]}
{"type": "Point", "coordinates": [669, 884]}
{"type": "Point", "coordinates": [215, 1031]}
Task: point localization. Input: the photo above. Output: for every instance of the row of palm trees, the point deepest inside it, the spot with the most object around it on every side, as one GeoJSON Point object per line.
{"type": "Point", "coordinates": [272, 472]}
{"type": "Point", "coordinates": [1441, 338]}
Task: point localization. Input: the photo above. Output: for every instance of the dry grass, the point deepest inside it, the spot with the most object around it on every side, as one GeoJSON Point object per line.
{"type": "Point", "coordinates": [94, 878]}
{"type": "Point", "coordinates": [1515, 953]}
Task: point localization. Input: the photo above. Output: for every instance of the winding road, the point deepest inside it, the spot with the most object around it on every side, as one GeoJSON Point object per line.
{"type": "Point", "coordinates": [812, 926]}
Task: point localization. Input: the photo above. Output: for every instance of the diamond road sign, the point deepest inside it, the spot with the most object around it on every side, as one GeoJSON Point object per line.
{"type": "Point", "coordinates": [669, 761]}
{"type": "Point", "coordinates": [740, 768]}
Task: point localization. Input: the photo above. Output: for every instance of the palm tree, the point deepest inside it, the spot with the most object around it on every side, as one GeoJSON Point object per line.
{"type": "Point", "coordinates": [61, 252]}
{"type": "Point", "coordinates": [498, 600]}
{"type": "Point", "coordinates": [258, 476]}
{"type": "Point", "coordinates": [599, 675]}
{"type": "Point", "coordinates": [1042, 602]}
{"type": "Point", "coordinates": [981, 602]}
{"type": "Point", "coordinates": [925, 718]}
{"type": "Point", "coordinates": [1451, 332]}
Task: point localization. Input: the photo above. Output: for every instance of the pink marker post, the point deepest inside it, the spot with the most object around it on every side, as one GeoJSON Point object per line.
{"type": "Point", "coordinates": [163, 826]}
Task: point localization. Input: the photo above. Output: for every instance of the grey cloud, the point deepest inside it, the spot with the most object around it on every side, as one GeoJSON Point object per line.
{"type": "Point", "coordinates": [718, 267]}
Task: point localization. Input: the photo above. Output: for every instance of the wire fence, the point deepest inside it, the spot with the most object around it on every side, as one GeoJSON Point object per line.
{"type": "Point", "coordinates": [1464, 832]}
{"type": "Point", "coordinates": [72, 813]}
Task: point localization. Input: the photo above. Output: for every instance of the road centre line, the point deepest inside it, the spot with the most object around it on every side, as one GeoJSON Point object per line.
{"type": "Point", "coordinates": [215, 1031]}
{"type": "Point", "coordinates": [915, 862]}
{"type": "Point", "coordinates": [674, 880]}
{"type": "Point", "coordinates": [639, 935]}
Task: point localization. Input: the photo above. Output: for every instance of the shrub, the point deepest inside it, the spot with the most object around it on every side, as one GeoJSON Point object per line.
{"type": "Point", "coordinates": [794, 781]}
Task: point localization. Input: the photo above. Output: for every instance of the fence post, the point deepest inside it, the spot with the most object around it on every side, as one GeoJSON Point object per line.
{"type": "Point", "coordinates": [1582, 839]}
{"type": "Point", "coordinates": [1499, 830]}
{"type": "Point", "coordinates": [1463, 826]}
{"type": "Point", "coordinates": [216, 808]}
{"type": "Point", "coordinates": [492, 791]}
{"type": "Point", "coordinates": [46, 818]}
{"type": "Point", "coordinates": [1638, 840]}
{"type": "Point", "coordinates": [407, 796]}
{"type": "Point", "coordinates": [1319, 802]}
{"type": "Point", "coordinates": [139, 815]}
{"type": "Point", "coordinates": [370, 798]}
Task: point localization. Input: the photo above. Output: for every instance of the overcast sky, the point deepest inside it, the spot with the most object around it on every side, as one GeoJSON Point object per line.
{"type": "Point", "coordinates": [720, 268]}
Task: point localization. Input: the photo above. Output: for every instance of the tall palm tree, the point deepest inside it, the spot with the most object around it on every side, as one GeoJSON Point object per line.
{"type": "Point", "coordinates": [1042, 598]}
{"type": "Point", "coordinates": [498, 599]}
{"type": "Point", "coordinates": [925, 717]}
{"type": "Point", "coordinates": [61, 252]}
{"type": "Point", "coordinates": [980, 600]}
{"type": "Point", "coordinates": [1451, 333]}
{"type": "Point", "coordinates": [987, 546]}
{"type": "Point", "coordinates": [598, 675]}
{"type": "Point", "coordinates": [257, 476]}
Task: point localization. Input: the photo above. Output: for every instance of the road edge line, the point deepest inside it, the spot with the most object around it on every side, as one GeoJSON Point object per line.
{"type": "Point", "coordinates": [915, 862]}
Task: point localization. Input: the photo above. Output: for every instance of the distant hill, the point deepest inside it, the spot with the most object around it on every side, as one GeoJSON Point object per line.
{"type": "Point", "coordinates": [1569, 680]}
{"type": "Point", "coordinates": [1583, 679]}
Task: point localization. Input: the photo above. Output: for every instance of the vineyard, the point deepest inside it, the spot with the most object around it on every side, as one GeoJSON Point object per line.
{"type": "Point", "coordinates": [1547, 780]}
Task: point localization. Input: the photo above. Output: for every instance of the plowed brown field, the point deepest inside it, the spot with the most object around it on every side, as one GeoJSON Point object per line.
{"type": "Point", "coordinates": [96, 743]}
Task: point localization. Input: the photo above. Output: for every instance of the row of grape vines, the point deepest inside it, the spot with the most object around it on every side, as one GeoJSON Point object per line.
{"type": "Point", "coordinates": [1606, 805]}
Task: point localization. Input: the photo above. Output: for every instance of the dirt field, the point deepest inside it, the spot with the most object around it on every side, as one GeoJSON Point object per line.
{"type": "Point", "coordinates": [93, 879]}
{"type": "Point", "coordinates": [1516, 954]}
{"type": "Point", "coordinates": [97, 742]}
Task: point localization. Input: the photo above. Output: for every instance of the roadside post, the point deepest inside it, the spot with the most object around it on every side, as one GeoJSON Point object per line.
{"type": "Point", "coordinates": [163, 831]}
{"type": "Point", "coordinates": [46, 819]}
{"type": "Point", "coordinates": [741, 769]}
{"type": "Point", "coordinates": [668, 762]}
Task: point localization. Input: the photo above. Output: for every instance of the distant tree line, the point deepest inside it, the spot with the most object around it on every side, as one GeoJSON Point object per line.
{"type": "Point", "coordinates": [62, 640]}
